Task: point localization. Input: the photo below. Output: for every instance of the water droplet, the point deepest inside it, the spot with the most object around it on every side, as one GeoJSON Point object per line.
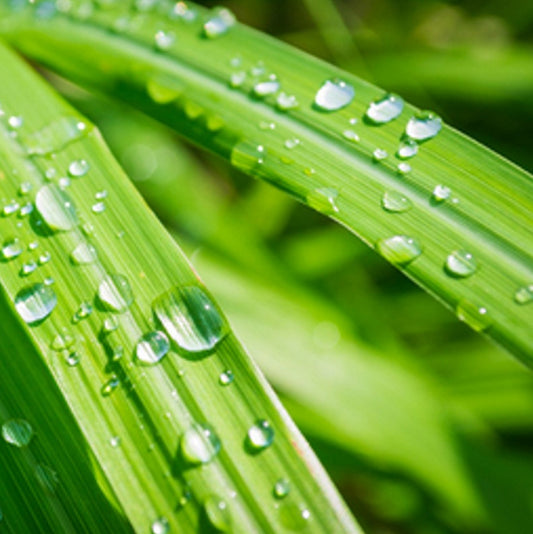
{"type": "Point", "coordinates": [218, 514]}
{"type": "Point", "coordinates": [110, 324]}
{"type": "Point", "coordinates": [28, 268]}
{"type": "Point", "coordinates": [160, 526]}
{"type": "Point", "coordinates": [265, 125]}
{"type": "Point", "coordinates": [323, 200]}
{"type": "Point", "coordinates": [62, 341]}
{"type": "Point", "coordinates": [17, 432]}
{"type": "Point", "coordinates": [399, 249]}
{"type": "Point", "coordinates": [84, 254]}
{"type": "Point", "coordinates": [281, 488]}
{"type": "Point", "coordinates": [265, 88]}
{"type": "Point", "coordinates": [10, 208]}
{"type": "Point", "coordinates": [63, 182]}
{"type": "Point", "coordinates": [181, 11]}
{"type": "Point", "coordinates": [351, 136]}
{"type": "Point", "coordinates": [423, 126]}
{"type": "Point", "coordinates": [385, 109]}
{"type": "Point", "coordinates": [407, 149]}
{"type": "Point", "coordinates": [226, 378]}
{"type": "Point", "coordinates": [292, 143]}
{"type": "Point", "coordinates": [220, 21]}
{"type": "Point", "coordinates": [161, 91]}
{"type": "Point", "coordinates": [115, 292]}
{"type": "Point", "coordinates": [380, 154]}
{"type": "Point", "coordinates": [164, 40]}
{"type": "Point", "coordinates": [286, 102]}
{"type": "Point", "coordinates": [83, 312]}
{"type": "Point", "coordinates": [12, 248]}
{"type": "Point", "coordinates": [73, 359]}
{"type": "Point", "coordinates": [54, 136]}
{"type": "Point", "coordinates": [98, 208]}
{"type": "Point", "coordinates": [441, 193]}
{"type": "Point", "coordinates": [191, 318]}
{"type": "Point", "coordinates": [396, 202]}
{"type": "Point", "coordinates": [56, 208]}
{"type": "Point", "coordinates": [152, 348]}
{"type": "Point", "coordinates": [475, 316]}
{"type": "Point", "coordinates": [461, 264]}
{"type": "Point", "coordinates": [404, 168]}
{"type": "Point", "coordinates": [78, 168]}
{"type": "Point", "coordinates": [100, 195]}
{"type": "Point", "coordinates": [293, 516]}
{"type": "Point", "coordinates": [524, 294]}
{"type": "Point", "coordinates": [26, 209]}
{"type": "Point", "coordinates": [258, 69]}
{"type": "Point", "coordinates": [110, 386]}
{"type": "Point", "coordinates": [35, 302]}
{"type": "Point", "coordinates": [333, 95]}
{"type": "Point", "coordinates": [44, 258]}
{"type": "Point", "coordinates": [199, 444]}
{"type": "Point", "coordinates": [115, 442]}
{"type": "Point", "coordinates": [260, 435]}
{"type": "Point", "coordinates": [46, 477]}
{"type": "Point", "coordinates": [15, 121]}
{"type": "Point", "coordinates": [237, 79]}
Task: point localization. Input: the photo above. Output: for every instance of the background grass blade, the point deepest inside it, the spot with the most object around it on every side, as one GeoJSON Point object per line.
{"type": "Point", "coordinates": [135, 419]}
{"type": "Point", "coordinates": [189, 85]}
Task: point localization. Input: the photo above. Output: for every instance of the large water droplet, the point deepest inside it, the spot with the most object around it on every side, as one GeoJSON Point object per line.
{"type": "Point", "coordinates": [152, 348]}
{"type": "Point", "coordinates": [475, 316]}
{"type": "Point", "coordinates": [218, 514]}
{"type": "Point", "coordinates": [35, 302]}
{"type": "Point", "coordinates": [265, 88]}
{"type": "Point", "coordinates": [399, 249]}
{"type": "Point", "coordinates": [56, 208]}
{"type": "Point", "coordinates": [334, 95]}
{"type": "Point", "coordinates": [260, 435]}
{"type": "Point", "coordinates": [115, 292]}
{"type": "Point", "coordinates": [55, 136]}
{"type": "Point", "coordinates": [385, 109]}
{"type": "Point", "coordinates": [84, 254]}
{"type": "Point", "coordinates": [461, 263]}
{"type": "Point", "coordinates": [423, 126]}
{"type": "Point", "coordinates": [199, 444]}
{"type": "Point", "coordinates": [219, 22]}
{"type": "Point", "coordinates": [396, 202]}
{"type": "Point", "coordinates": [12, 248]}
{"type": "Point", "coordinates": [323, 200]}
{"type": "Point", "coordinates": [17, 432]}
{"type": "Point", "coordinates": [160, 526]}
{"type": "Point", "coordinates": [281, 488]}
{"type": "Point", "coordinates": [524, 294]}
{"type": "Point", "coordinates": [78, 168]}
{"type": "Point", "coordinates": [191, 318]}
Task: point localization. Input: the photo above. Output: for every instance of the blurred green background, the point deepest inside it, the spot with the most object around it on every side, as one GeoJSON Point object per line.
{"type": "Point", "coordinates": [425, 426]}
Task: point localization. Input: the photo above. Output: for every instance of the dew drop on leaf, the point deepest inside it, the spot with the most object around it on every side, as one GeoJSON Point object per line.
{"type": "Point", "coordinates": [12, 248]}
{"type": "Point", "coordinates": [351, 136]}
{"type": "Point", "coordinates": [399, 249]}
{"type": "Point", "coordinates": [84, 254]}
{"type": "Point", "coordinates": [17, 432]}
{"type": "Point", "coordinates": [260, 436]}
{"type": "Point", "coordinates": [152, 348]}
{"type": "Point", "coordinates": [323, 200]}
{"type": "Point", "coordinates": [333, 95]}
{"type": "Point", "coordinates": [36, 302]}
{"type": "Point", "coordinates": [265, 88]}
{"type": "Point", "coordinates": [110, 386]}
{"type": "Point", "coordinates": [218, 514]}
{"type": "Point", "coordinates": [115, 293]}
{"type": "Point", "coordinates": [286, 102]}
{"type": "Point", "coordinates": [407, 149]}
{"type": "Point", "coordinates": [56, 208]}
{"type": "Point", "coordinates": [226, 378]}
{"type": "Point", "coordinates": [78, 168]}
{"type": "Point", "coordinates": [423, 126]}
{"type": "Point", "coordinates": [441, 193]}
{"type": "Point", "coordinates": [395, 202]}
{"type": "Point", "coordinates": [385, 109]}
{"type": "Point", "coordinates": [237, 79]}
{"type": "Point", "coordinates": [219, 23]}
{"type": "Point", "coordinates": [461, 264]}
{"type": "Point", "coordinates": [281, 488]}
{"type": "Point", "coordinates": [474, 315]}
{"type": "Point", "coordinates": [164, 40]}
{"type": "Point", "coordinates": [55, 136]}
{"type": "Point", "coordinates": [524, 294]}
{"type": "Point", "coordinates": [160, 526]}
{"type": "Point", "coordinates": [199, 444]}
{"type": "Point", "coordinates": [379, 154]}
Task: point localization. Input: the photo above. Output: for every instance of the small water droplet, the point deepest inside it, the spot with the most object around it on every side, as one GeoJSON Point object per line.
{"type": "Point", "coordinates": [399, 249]}
{"type": "Point", "coordinates": [161, 91]}
{"type": "Point", "coordinates": [98, 208]}
{"type": "Point", "coordinates": [46, 477]}
{"type": "Point", "coordinates": [265, 125]}
{"type": "Point", "coordinates": [73, 359]}
{"type": "Point", "coordinates": [351, 136]}
{"type": "Point", "coordinates": [292, 143]}
{"type": "Point", "coordinates": [17, 432]}
{"type": "Point", "coordinates": [286, 102]}
{"type": "Point", "coordinates": [323, 200]}
{"type": "Point", "coordinates": [333, 95]}
{"type": "Point", "coordinates": [54, 136]}
{"type": "Point", "coordinates": [404, 168]}
{"type": "Point", "coordinates": [110, 386]}
{"type": "Point", "coordinates": [524, 294]}
{"type": "Point", "coordinates": [56, 208]}
{"type": "Point", "coordinates": [441, 193]}
{"type": "Point", "coordinates": [28, 268]}
{"type": "Point", "coordinates": [380, 154]}
{"type": "Point", "coordinates": [84, 254]}
{"type": "Point", "coordinates": [63, 182]}
{"type": "Point", "coordinates": [110, 324]}
{"type": "Point", "coordinates": [12, 248]}
{"type": "Point", "coordinates": [219, 22]}
{"type": "Point", "coordinates": [78, 168]}
{"type": "Point", "coordinates": [423, 126]}
{"type": "Point", "coordinates": [237, 79]}
{"type": "Point", "coordinates": [475, 316]}
{"type": "Point", "coordinates": [152, 348]}
{"type": "Point", "coordinates": [218, 514]}
{"type": "Point", "coordinates": [160, 526]}
{"type": "Point", "coordinates": [226, 378]}
{"type": "Point", "coordinates": [407, 149]}
{"type": "Point", "coordinates": [265, 88]}
{"type": "Point", "coordinates": [44, 258]}
{"type": "Point", "coordinates": [164, 40]}
{"type": "Point", "coordinates": [10, 208]}
{"type": "Point", "coordinates": [25, 188]}
{"type": "Point", "coordinates": [385, 109]}
{"type": "Point", "coordinates": [281, 488]}
{"type": "Point", "coordinates": [461, 264]}
{"type": "Point", "coordinates": [199, 444]}
{"type": "Point", "coordinates": [396, 202]}
{"type": "Point", "coordinates": [62, 340]}
{"type": "Point", "coordinates": [191, 318]}
{"type": "Point", "coordinates": [115, 292]}
{"type": "Point", "coordinates": [293, 516]}
{"type": "Point", "coordinates": [15, 121]}
{"type": "Point", "coordinates": [82, 312]}
{"type": "Point", "coordinates": [260, 436]}
{"type": "Point", "coordinates": [101, 195]}
{"type": "Point", "coordinates": [26, 209]}
{"type": "Point", "coordinates": [115, 442]}
{"type": "Point", "coordinates": [35, 302]}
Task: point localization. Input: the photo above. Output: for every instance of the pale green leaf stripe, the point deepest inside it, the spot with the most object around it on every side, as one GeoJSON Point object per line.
{"type": "Point", "coordinates": [133, 434]}
{"type": "Point", "coordinates": [490, 210]}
